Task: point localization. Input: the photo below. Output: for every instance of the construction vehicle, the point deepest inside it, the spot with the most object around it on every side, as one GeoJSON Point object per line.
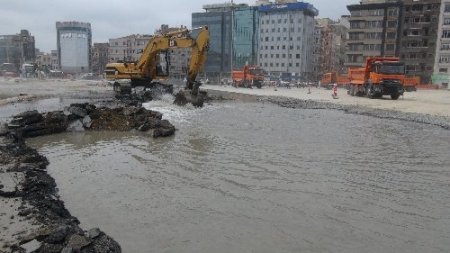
{"type": "Point", "coordinates": [248, 77]}
{"type": "Point", "coordinates": [154, 65]}
{"type": "Point", "coordinates": [8, 70]}
{"type": "Point", "coordinates": [411, 83]}
{"type": "Point", "coordinates": [381, 76]}
{"type": "Point", "coordinates": [329, 79]}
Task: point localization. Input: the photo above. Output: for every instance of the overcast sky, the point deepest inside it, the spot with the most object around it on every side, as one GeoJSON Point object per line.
{"type": "Point", "coordinates": [115, 18]}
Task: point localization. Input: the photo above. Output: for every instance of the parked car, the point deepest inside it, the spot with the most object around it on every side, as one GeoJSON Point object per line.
{"type": "Point", "coordinates": [8, 70]}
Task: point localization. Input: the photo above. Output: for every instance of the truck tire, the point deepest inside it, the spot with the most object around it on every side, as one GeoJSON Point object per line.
{"type": "Point", "coordinates": [395, 96]}
{"type": "Point", "coordinates": [370, 93]}
{"type": "Point", "coordinates": [352, 90]}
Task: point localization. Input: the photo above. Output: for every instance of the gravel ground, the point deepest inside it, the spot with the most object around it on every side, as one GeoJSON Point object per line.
{"type": "Point", "coordinates": [294, 100]}
{"type": "Point", "coordinates": [432, 102]}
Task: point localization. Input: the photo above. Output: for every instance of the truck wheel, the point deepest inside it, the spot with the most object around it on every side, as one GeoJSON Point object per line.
{"type": "Point", "coordinates": [395, 96]}
{"type": "Point", "coordinates": [370, 93]}
{"type": "Point", "coordinates": [116, 87]}
{"type": "Point", "coordinates": [352, 90]}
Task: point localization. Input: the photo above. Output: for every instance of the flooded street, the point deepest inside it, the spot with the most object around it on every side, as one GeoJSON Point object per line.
{"type": "Point", "coordinates": [253, 177]}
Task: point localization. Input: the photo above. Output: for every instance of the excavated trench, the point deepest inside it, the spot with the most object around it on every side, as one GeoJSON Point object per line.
{"type": "Point", "coordinates": [24, 177]}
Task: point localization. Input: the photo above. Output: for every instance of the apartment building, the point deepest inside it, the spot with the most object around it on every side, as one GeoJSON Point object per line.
{"type": "Point", "coordinates": [286, 34]}
{"type": "Point", "coordinates": [419, 29]}
{"type": "Point", "coordinates": [441, 73]}
{"type": "Point", "coordinates": [128, 48]}
{"type": "Point", "coordinates": [374, 30]}
{"type": "Point", "coordinates": [333, 44]}
{"type": "Point", "coordinates": [99, 57]}
{"type": "Point", "coordinates": [17, 49]}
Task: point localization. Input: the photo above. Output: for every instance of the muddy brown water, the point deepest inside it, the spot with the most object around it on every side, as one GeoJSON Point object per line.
{"type": "Point", "coordinates": [253, 177]}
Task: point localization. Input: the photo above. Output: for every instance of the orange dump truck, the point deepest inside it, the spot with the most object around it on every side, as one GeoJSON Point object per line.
{"type": "Point", "coordinates": [411, 83]}
{"type": "Point", "coordinates": [381, 76]}
{"type": "Point", "coordinates": [331, 78]}
{"type": "Point", "coordinates": [248, 77]}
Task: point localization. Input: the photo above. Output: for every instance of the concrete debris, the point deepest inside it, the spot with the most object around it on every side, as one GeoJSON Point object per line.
{"type": "Point", "coordinates": [3, 129]}
{"type": "Point", "coordinates": [10, 183]}
{"type": "Point", "coordinates": [87, 121]}
{"type": "Point", "coordinates": [77, 242]}
{"type": "Point", "coordinates": [32, 124]}
{"type": "Point", "coordinates": [184, 97]}
{"type": "Point", "coordinates": [31, 246]}
{"type": "Point", "coordinates": [76, 126]}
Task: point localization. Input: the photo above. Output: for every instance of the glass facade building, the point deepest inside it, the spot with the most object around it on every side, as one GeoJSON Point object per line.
{"type": "Point", "coordinates": [219, 25]}
{"type": "Point", "coordinates": [245, 37]}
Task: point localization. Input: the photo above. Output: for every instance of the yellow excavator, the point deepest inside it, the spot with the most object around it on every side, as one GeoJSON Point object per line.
{"type": "Point", "coordinates": [153, 63]}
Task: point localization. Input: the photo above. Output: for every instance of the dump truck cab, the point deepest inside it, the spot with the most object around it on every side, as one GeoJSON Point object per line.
{"type": "Point", "coordinates": [382, 76]}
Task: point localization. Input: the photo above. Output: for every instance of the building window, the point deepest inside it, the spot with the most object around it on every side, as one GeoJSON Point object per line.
{"type": "Point", "coordinates": [297, 56]}
{"type": "Point", "coordinates": [393, 12]}
{"type": "Point", "coordinates": [443, 70]}
{"type": "Point", "coordinates": [446, 34]}
{"type": "Point", "coordinates": [391, 24]}
{"type": "Point", "coordinates": [391, 35]}
{"type": "Point", "coordinates": [447, 7]}
{"type": "Point", "coordinates": [390, 47]}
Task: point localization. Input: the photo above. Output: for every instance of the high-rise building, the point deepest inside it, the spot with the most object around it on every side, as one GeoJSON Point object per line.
{"type": "Point", "coordinates": [286, 34]}
{"type": "Point", "coordinates": [74, 46]}
{"type": "Point", "coordinates": [218, 19]}
{"type": "Point", "coordinates": [441, 75]}
{"type": "Point", "coordinates": [17, 49]}
{"type": "Point", "coordinates": [245, 36]}
{"type": "Point", "coordinates": [332, 45]}
{"type": "Point", "coordinates": [374, 30]}
{"type": "Point", "coordinates": [55, 59]}
{"type": "Point", "coordinates": [419, 29]}
{"type": "Point", "coordinates": [99, 57]}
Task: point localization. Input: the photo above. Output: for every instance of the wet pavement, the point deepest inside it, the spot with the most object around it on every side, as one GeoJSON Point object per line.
{"type": "Point", "coordinates": [254, 177]}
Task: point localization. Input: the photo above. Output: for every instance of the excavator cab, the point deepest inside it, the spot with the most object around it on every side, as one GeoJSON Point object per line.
{"type": "Point", "coordinates": [162, 66]}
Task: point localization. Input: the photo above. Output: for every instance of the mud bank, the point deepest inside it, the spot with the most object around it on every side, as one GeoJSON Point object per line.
{"type": "Point", "coordinates": [294, 103]}
{"type": "Point", "coordinates": [33, 218]}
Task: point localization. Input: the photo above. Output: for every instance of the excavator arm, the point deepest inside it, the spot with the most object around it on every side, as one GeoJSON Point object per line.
{"type": "Point", "coordinates": [147, 64]}
{"type": "Point", "coordinates": [198, 57]}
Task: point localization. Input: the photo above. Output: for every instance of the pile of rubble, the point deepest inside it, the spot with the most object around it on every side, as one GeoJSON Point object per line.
{"type": "Point", "coordinates": [80, 117]}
